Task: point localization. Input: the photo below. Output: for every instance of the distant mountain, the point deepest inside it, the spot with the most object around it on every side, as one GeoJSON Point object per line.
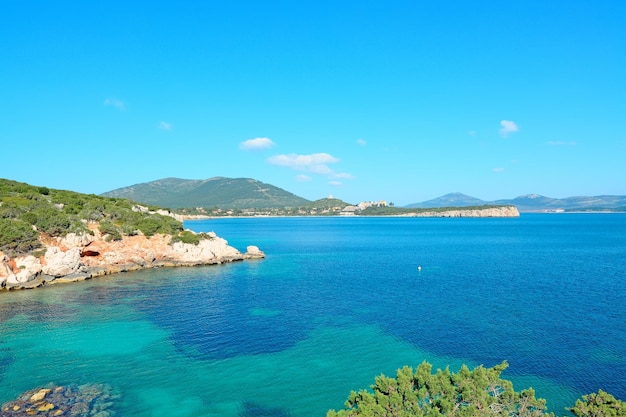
{"type": "Point", "coordinates": [531, 202]}
{"type": "Point", "coordinates": [234, 193]}
{"type": "Point", "coordinates": [449, 200]}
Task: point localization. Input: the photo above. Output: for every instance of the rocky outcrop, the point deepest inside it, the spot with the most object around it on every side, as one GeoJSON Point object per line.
{"type": "Point", "coordinates": [505, 211]}
{"type": "Point", "coordinates": [80, 257]}
{"type": "Point", "coordinates": [88, 400]}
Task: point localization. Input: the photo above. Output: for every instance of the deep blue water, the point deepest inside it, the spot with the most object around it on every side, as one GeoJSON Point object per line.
{"type": "Point", "coordinates": [336, 302]}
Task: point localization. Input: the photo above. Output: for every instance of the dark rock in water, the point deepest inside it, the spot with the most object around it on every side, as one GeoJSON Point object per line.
{"type": "Point", "coordinates": [91, 400]}
{"type": "Point", "coordinates": [251, 409]}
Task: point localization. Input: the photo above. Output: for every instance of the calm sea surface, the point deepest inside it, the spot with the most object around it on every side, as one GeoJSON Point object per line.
{"type": "Point", "coordinates": [336, 302]}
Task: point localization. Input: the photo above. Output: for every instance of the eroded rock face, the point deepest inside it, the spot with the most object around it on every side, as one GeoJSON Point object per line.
{"type": "Point", "coordinates": [508, 211]}
{"type": "Point", "coordinates": [59, 263]}
{"type": "Point", "coordinates": [78, 257]}
{"type": "Point", "coordinates": [72, 240]}
{"type": "Point", "coordinates": [26, 268]}
{"type": "Point", "coordinates": [253, 252]}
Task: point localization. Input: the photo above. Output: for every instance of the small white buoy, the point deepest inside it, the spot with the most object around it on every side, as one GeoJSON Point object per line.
{"type": "Point", "coordinates": [419, 268]}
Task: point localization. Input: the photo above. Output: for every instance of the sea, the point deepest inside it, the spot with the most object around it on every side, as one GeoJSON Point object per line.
{"type": "Point", "coordinates": [336, 302]}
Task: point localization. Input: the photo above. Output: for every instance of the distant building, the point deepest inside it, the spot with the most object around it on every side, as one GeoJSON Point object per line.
{"type": "Point", "coordinates": [348, 211]}
{"type": "Point", "coordinates": [365, 204]}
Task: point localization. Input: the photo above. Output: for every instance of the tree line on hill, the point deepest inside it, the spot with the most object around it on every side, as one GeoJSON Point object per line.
{"type": "Point", "coordinates": [27, 212]}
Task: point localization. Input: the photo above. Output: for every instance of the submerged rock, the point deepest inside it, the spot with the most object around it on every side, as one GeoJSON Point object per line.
{"type": "Point", "coordinates": [70, 400]}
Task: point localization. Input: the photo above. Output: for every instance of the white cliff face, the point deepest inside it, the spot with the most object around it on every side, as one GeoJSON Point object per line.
{"type": "Point", "coordinates": [507, 211]}
{"type": "Point", "coordinates": [208, 250]}
{"type": "Point", "coordinates": [76, 257]}
{"type": "Point", "coordinates": [27, 268]}
{"type": "Point", "coordinates": [59, 263]}
{"type": "Point", "coordinates": [72, 240]}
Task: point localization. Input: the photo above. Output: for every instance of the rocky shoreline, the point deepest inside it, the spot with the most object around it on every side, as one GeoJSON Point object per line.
{"type": "Point", "coordinates": [79, 257]}
{"type": "Point", "coordinates": [91, 400]}
{"type": "Point", "coordinates": [505, 211]}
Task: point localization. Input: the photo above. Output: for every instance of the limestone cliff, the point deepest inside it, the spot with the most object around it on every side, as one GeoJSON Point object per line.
{"type": "Point", "coordinates": [505, 211]}
{"type": "Point", "coordinates": [79, 257]}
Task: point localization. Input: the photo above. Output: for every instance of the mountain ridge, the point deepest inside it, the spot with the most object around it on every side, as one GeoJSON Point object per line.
{"type": "Point", "coordinates": [220, 192]}
{"type": "Point", "coordinates": [531, 202]}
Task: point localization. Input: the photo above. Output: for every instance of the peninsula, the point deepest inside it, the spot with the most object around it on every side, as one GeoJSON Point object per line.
{"type": "Point", "coordinates": [52, 236]}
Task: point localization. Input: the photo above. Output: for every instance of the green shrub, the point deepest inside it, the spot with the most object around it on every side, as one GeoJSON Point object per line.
{"type": "Point", "coordinates": [186, 236]}
{"type": "Point", "coordinates": [600, 404]}
{"type": "Point", "coordinates": [52, 221]}
{"type": "Point", "coordinates": [17, 237]}
{"type": "Point", "coordinates": [108, 228]}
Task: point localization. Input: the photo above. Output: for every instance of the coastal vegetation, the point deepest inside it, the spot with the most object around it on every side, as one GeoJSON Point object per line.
{"type": "Point", "coordinates": [27, 212]}
{"type": "Point", "coordinates": [467, 393]}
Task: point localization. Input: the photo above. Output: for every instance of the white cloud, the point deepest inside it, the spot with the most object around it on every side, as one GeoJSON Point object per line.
{"type": "Point", "coordinates": [256, 144]}
{"type": "Point", "coordinates": [344, 175]}
{"type": "Point", "coordinates": [361, 142]}
{"type": "Point", "coordinates": [560, 143]}
{"type": "Point", "coordinates": [115, 103]}
{"type": "Point", "coordinates": [165, 126]}
{"type": "Point", "coordinates": [335, 183]}
{"type": "Point", "coordinates": [315, 163]}
{"type": "Point", "coordinates": [498, 169]}
{"type": "Point", "coordinates": [508, 126]}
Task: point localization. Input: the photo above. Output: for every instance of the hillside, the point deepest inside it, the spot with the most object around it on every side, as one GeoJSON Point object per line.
{"type": "Point", "coordinates": [49, 235]}
{"type": "Point", "coordinates": [449, 200]}
{"type": "Point", "coordinates": [531, 202]}
{"type": "Point", "coordinates": [219, 192]}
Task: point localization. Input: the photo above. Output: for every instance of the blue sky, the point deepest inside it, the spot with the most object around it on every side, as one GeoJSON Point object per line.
{"type": "Point", "coordinates": [364, 100]}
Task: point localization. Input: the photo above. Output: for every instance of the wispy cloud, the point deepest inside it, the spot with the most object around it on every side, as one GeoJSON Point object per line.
{"type": "Point", "coordinates": [508, 127]}
{"type": "Point", "coordinates": [335, 183]}
{"type": "Point", "coordinates": [316, 163]}
{"type": "Point", "coordinates": [303, 178]}
{"type": "Point", "coordinates": [256, 144]}
{"type": "Point", "coordinates": [165, 126]}
{"type": "Point", "coordinates": [342, 175]}
{"type": "Point", "coordinates": [498, 170]}
{"type": "Point", "coordinates": [361, 142]}
{"type": "Point", "coordinates": [561, 143]}
{"type": "Point", "coordinates": [118, 104]}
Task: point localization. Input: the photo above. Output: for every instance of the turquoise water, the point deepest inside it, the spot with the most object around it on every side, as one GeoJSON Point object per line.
{"type": "Point", "coordinates": [336, 302]}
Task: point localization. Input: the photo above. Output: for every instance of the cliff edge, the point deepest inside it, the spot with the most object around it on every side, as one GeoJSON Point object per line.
{"type": "Point", "coordinates": [77, 257]}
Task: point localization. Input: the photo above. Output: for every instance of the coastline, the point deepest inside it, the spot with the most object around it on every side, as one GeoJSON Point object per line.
{"type": "Point", "coordinates": [80, 257]}
{"type": "Point", "coordinates": [503, 211]}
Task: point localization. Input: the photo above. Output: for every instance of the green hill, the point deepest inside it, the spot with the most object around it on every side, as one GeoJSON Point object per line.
{"type": "Point", "coordinates": [29, 212]}
{"type": "Point", "coordinates": [220, 192]}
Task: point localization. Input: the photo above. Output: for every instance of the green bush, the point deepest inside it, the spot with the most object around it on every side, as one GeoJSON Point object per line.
{"type": "Point", "coordinates": [17, 237]}
{"type": "Point", "coordinates": [186, 236]}
{"type": "Point", "coordinates": [53, 221]}
{"type": "Point", "coordinates": [108, 228]}
{"type": "Point", "coordinates": [600, 404]}
{"type": "Point", "coordinates": [478, 392]}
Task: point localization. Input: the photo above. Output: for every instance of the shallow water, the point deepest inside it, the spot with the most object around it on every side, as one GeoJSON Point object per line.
{"type": "Point", "coordinates": [336, 302]}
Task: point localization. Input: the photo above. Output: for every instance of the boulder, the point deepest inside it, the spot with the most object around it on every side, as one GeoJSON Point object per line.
{"type": "Point", "coordinates": [29, 267]}
{"type": "Point", "coordinates": [253, 252]}
{"type": "Point", "coordinates": [72, 240]}
{"type": "Point", "coordinates": [59, 263]}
